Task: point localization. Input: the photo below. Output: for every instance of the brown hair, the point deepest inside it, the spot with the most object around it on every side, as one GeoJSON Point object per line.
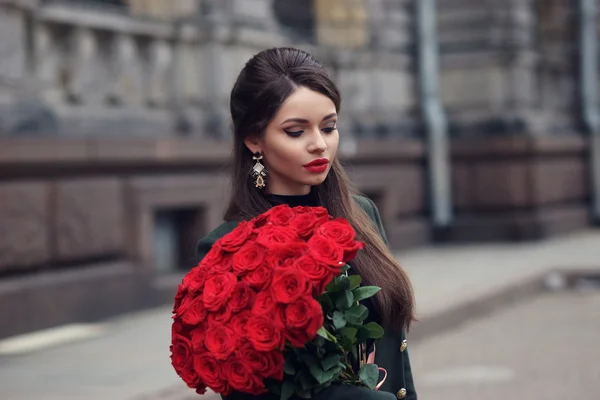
{"type": "Point", "coordinates": [262, 86]}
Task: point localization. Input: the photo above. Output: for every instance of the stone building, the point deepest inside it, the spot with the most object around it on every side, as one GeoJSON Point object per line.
{"type": "Point", "coordinates": [463, 120]}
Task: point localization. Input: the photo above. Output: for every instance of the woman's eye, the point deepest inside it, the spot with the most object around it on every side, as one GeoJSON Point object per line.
{"type": "Point", "coordinates": [330, 129]}
{"type": "Point", "coordinates": [293, 133]}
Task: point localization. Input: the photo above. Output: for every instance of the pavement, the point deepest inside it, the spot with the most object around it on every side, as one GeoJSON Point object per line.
{"type": "Point", "coordinates": [127, 358]}
{"type": "Point", "coordinates": [545, 347]}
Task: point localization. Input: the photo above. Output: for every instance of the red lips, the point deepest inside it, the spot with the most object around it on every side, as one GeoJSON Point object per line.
{"type": "Point", "coordinates": [317, 162]}
{"type": "Point", "coordinates": [317, 166]}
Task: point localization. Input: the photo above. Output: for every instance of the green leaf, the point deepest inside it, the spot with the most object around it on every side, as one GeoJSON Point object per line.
{"type": "Point", "coordinates": [323, 333]}
{"type": "Point", "coordinates": [362, 335]}
{"type": "Point", "coordinates": [364, 292]}
{"type": "Point", "coordinates": [330, 361]}
{"type": "Point", "coordinates": [345, 300]}
{"type": "Point", "coordinates": [306, 383]}
{"type": "Point", "coordinates": [338, 284]}
{"type": "Point", "coordinates": [356, 315]}
{"type": "Point", "coordinates": [339, 320]}
{"type": "Point", "coordinates": [320, 375]}
{"type": "Point", "coordinates": [304, 394]}
{"type": "Point", "coordinates": [320, 341]}
{"type": "Point", "coordinates": [326, 303]}
{"type": "Point", "coordinates": [287, 390]}
{"type": "Point", "coordinates": [369, 375]}
{"type": "Point", "coordinates": [375, 330]}
{"type": "Point", "coordinates": [289, 369]}
{"type": "Point", "coordinates": [355, 281]}
{"type": "Point", "coordinates": [348, 333]}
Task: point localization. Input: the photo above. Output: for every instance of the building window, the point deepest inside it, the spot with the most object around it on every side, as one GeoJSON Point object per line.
{"type": "Point", "coordinates": [176, 232]}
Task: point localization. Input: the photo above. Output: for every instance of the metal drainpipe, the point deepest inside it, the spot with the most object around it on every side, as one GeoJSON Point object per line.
{"type": "Point", "coordinates": [588, 45]}
{"type": "Point", "coordinates": [438, 154]}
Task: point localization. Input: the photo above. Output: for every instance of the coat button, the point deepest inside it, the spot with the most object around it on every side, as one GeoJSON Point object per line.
{"type": "Point", "coordinates": [401, 393]}
{"type": "Point", "coordinates": [403, 345]}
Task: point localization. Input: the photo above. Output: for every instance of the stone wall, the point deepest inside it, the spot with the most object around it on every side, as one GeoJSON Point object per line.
{"type": "Point", "coordinates": [155, 68]}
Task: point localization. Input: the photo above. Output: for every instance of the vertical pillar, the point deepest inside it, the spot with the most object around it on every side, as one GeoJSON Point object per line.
{"type": "Point", "coordinates": [589, 95]}
{"type": "Point", "coordinates": [435, 122]}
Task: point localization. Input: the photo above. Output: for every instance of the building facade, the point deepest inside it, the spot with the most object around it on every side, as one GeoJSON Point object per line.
{"type": "Point", "coordinates": [114, 130]}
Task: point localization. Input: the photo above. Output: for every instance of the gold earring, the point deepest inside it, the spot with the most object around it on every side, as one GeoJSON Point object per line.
{"type": "Point", "coordinates": [259, 171]}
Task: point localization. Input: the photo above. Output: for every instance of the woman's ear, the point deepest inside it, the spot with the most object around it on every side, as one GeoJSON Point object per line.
{"type": "Point", "coordinates": [252, 144]}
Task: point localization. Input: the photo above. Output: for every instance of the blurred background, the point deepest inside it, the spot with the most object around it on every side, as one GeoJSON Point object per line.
{"type": "Point", "coordinates": [473, 125]}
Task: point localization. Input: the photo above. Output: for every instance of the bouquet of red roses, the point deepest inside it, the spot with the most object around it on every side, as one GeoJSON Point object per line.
{"type": "Point", "coordinates": [271, 307]}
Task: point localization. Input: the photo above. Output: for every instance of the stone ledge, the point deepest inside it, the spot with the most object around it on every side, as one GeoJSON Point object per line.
{"type": "Point", "coordinates": [81, 294]}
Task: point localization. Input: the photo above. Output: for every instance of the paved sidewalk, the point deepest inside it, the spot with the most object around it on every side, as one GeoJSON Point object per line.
{"type": "Point", "coordinates": [129, 360]}
{"type": "Point", "coordinates": [544, 347]}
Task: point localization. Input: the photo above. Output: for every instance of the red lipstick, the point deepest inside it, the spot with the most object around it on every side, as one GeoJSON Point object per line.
{"type": "Point", "coordinates": [318, 165]}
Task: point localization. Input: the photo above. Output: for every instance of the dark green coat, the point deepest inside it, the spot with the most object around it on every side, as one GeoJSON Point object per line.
{"type": "Point", "coordinates": [391, 353]}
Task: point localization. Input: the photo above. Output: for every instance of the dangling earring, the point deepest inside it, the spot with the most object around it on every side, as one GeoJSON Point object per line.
{"type": "Point", "coordinates": [258, 171]}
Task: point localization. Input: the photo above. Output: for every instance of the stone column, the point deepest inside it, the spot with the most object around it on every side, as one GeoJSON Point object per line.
{"type": "Point", "coordinates": [508, 85]}
{"type": "Point", "coordinates": [159, 83]}
{"type": "Point", "coordinates": [84, 68]}
{"type": "Point", "coordinates": [126, 86]}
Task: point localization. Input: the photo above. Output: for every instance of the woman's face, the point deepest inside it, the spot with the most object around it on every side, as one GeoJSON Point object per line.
{"type": "Point", "coordinates": [299, 144]}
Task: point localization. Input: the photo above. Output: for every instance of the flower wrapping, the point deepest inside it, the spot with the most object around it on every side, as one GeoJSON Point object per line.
{"type": "Point", "coordinates": [272, 308]}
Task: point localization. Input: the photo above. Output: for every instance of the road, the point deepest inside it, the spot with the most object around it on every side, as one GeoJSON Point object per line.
{"type": "Point", "coordinates": [547, 347]}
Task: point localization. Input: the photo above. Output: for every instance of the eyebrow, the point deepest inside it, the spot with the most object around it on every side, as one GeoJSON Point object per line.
{"type": "Point", "coordinates": [305, 121]}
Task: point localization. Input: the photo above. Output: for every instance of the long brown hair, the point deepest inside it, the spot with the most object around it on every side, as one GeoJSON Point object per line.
{"type": "Point", "coordinates": [262, 86]}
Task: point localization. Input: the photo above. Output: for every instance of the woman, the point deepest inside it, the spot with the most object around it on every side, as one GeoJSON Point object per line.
{"type": "Point", "coordinates": [284, 109]}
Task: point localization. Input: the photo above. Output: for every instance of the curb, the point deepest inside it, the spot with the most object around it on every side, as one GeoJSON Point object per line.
{"type": "Point", "coordinates": [480, 306]}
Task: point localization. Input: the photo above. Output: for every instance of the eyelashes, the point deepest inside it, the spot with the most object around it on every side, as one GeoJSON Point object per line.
{"type": "Point", "coordinates": [296, 134]}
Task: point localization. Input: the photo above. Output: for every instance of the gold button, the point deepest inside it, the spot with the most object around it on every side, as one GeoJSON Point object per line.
{"type": "Point", "coordinates": [403, 345]}
{"type": "Point", "coordinates": [401, 393]}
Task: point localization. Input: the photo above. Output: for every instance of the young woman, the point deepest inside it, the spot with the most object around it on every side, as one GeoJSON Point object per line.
{"type": "Point", "coordinates": [284, 108]}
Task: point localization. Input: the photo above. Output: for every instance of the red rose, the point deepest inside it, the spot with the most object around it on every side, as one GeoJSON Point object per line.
{"type": "Point", "coordinates": [182, 360]}
{"type": "Point", "coordinates": [268, 364]}
{"type": "Point", "coordinates": [281, 215]}
{"type": "Point", "coordinates": [259, 278]}
{"type": "Point", "coordinates": [178, 329]}
{"type": "Point", "coordinates": [192, 312]}
{"type": "Point", "coordinates": [350, 251]}
{"type": "Point", "coordinates": [242, 295]}
{"type": "Point", "coordinates": [264, 304]}
{"type": "Point", "coordinates": [272, 236]}
{"type": "Point", "coordinates": [241, 377]}
{"type": "Point", "coordinates": [289, 285]}
{"type": "Point", "coordinates": [301, 319]}
{"type": "Point", "coordinates": [318, 274]}
{"type": "Point", "coordinates": [181, 292]}
{"type": "Point", "coordinates": [220, 341]}
{"type": "Point", "coordinates": [322, 214]}
{"type": "Point", "coordinates": [214, 261]}
{"type": "Point", "coordinates": [236, 238]}
{"type": "Point", "coordinates": [219, 317]}
{"type": "Point", "coordinates": [248, 258]}
{"type": "Point", "coordinates": [222, 386]}
{"type": "Point", "coordinates": [239, 323]}
{"type": "Point", "coordinates": [339, 230]}
{"type": "Point", "coordinates": [263, 334]}
{"type": "Point", "coordinates": [209, 371]}
{"type": "Point", "coordinates": [326, 251]}
{"type": "Point", "coordinates": [218, 289]}
{"type": "Point", "coordinates": [285, 256]}
{"type": "Point", "coordinates": [304, 224]}
{"type": "Point", "coordinates": [197, 336]}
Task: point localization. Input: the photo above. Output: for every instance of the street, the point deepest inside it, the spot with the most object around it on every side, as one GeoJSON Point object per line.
{"type": "Point", "coordinates": [547, 347]}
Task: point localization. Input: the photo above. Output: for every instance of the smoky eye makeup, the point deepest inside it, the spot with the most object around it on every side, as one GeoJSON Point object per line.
{"type": "Point", "coordinates": [330, 127]}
